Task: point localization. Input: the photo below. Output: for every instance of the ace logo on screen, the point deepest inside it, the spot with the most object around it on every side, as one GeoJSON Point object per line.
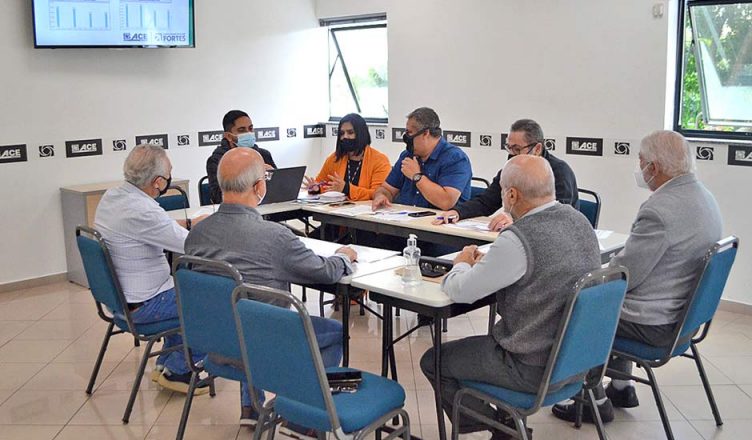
{"type": "Point", "coordinates": [740, 155]}
{"type": "Point", "coordinates": [267, 134]}
{"type": "Point", "coordinates": [210, 138]}
{"type": "Point", "coordinates": [159, 140]}
{"type": "Point", "coordinates": [458, 138]}
{"type": "Point", "coordinates": [86, 147]}
{"type": "Point", "coordinates": [585, 146]}
{"type": "Point", "coordinates": [314, 131]}
{"type": "Point", "coordinates": [397, 134]}
{"type": "Point", "coordinates": [13, 153]}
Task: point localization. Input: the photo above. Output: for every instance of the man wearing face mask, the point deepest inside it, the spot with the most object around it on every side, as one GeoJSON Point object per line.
{"type": "Point", "coordinates": [137, 231]}
{"type": "Point", "coordinates": [525, 137]}
{"type": "Point", "coordinates": [532, 268]}
{"type": "Point", "coordinates": [239, 132]}
{"type": "Point", "coordinates": [673, 230]}
{"type": "Point", "coordinates": [266, 253]}
{"type": "Point", "coordinates": [431, 172]}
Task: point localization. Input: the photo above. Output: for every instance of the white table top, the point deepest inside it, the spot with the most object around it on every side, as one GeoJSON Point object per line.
{"type": "Point", "coordinates": [325, 249]}
{"type": "Point", "coordinates": [389, 283]}
{"type": "Point", "coordinates": [272, 208]}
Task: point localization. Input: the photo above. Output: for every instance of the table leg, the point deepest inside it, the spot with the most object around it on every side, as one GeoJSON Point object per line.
{"type": "Point", "coordinates": [386, 338]}
{"type": "Point", "coordinates": [491, 317]}
{"type": "Point", "coordinates": [344, 294]}
{"type": "Point", "coordinates": [437, 377]}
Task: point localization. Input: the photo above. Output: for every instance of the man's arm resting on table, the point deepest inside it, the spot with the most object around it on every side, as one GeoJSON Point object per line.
{"type": "Point", "coordinates": [442, 197]}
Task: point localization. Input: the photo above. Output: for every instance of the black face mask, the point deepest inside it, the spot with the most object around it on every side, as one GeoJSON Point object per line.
{"type": "Point", "coordinates": [167, 187]}
{"type": "Point", "coordinates": [510, 156]}
{"type": "Point", "coordinates": [410, 141]}
{"type": "Point", "coordinates": [348, 145]}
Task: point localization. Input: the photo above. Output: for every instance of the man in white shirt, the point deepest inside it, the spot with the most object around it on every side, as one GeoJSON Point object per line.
{"type": "Point", "coordinates": [532, 268]}
{"type": "Point", "coordinates": [137, 231]}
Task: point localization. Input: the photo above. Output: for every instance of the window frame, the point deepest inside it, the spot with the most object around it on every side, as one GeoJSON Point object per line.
{"type": "Point", "coordinates": [346, 25]}
{"type": "Point", "coordinates": [684, 6]}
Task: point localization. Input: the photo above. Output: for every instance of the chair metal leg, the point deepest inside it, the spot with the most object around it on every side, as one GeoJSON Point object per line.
{"type": "Point", "coordinates": [136, 342]}
{"type": "Point", "coordinates": [491, 317]}
{"type": "Point", "coordinates": [137, 381]}
{"type": "Point", "coordinates": [596, 414]}
{"type": "Point", "coordinates": [706, 385]}
{"type": "Point", "coordinates": [212, 388]}
{"type": "Point", "coordinates": [456, 416]}
{"type": "Point", "coordinates": [321, 304]}
{"type": "Point", "coordinates": [397, 312]}
{"type": "Point", "coordinates": [187, 406]}
{"type": "Point", "coordinates": [444, 325]}
{"type": "Point", "coordinates": [100, 357]}
{"type": "Point", "coordinates": [305, 297]}
{"type": "Point", "coordinates": [578, 410]}
{"type": "Point", "coordinates": [659, 402]}
{"type": "Point", "coordinates": [521, 429]}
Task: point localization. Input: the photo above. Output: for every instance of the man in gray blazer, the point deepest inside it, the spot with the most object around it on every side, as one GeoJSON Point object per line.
{"type": "Point", "coordinates": [674, 229]}
{"type": "Point", "coordinates": [266, 253]}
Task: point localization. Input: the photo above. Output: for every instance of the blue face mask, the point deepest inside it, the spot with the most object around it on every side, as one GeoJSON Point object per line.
{"type": "Point", "coordinates": [246, 140]}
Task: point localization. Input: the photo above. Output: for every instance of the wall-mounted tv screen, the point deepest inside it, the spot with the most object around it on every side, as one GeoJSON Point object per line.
{"type": "Point", "coordinates": [113, 23]}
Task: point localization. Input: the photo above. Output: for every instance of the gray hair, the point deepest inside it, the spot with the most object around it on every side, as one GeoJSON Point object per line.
{"type": "Point", "coordinates": [144, 163]}
{"type": "Point", "coordinates": [670, 150]}
{"type": "Point", "coordinates": [244, 180]}
{"type": "Point", "coordinates": [426, 118]}
{"type": "Point", "coordinates": [529, 184]}
{"type": "Point", "coordinates": [533, 131]}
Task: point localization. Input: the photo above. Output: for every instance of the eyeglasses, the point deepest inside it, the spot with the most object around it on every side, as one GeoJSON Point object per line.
{"type": "Point", "coordinates": [516, 149]}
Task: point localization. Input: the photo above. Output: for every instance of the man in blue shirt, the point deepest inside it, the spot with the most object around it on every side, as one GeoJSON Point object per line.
{"type": "Point", "coordinates": [431, 172]}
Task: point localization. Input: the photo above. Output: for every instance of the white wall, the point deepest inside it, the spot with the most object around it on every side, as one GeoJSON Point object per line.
{"type": "Point", "coordinates": [263, 57]}
{"type": "Point", "coordinates": [581, 68]}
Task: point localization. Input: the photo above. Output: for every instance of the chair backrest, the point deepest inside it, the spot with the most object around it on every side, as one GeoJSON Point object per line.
{"type": "Point", "coordinates": [100, 273]}
{"type": "Point", "coordinates": [701, 306]}
{"type": "Point", "coordinates": [280, 351]}
{"type": "Point", "coordinates": [204, 194]}
{"type": "Point", "coordinates": [203, 289]}
{"type": "Point", "coordinates": [591, 206]}
{"type": "Point", "coordinates": [587, 327]}
{"type": "Point", "coordinates": [174, 202]}
{"type": "Point", "coordinates": [477, 190]}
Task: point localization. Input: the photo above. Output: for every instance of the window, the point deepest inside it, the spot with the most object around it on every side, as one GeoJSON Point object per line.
{"type": "Point", "coordinates": [714, 71]}
{"type": "Point", "coordinates": [358, 80]}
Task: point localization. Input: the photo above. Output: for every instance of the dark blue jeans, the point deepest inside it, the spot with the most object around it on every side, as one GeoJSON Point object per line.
{"type": "Point", "coordinates": [162, 307]}
{"type": "Point", "coordinates": [329, 337]}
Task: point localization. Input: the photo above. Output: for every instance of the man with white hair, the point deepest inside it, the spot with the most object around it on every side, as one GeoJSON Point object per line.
{"type": "Point", "coordinates": [137, 231]}
{"type": "Point", "coordinates": [664, 253]}
{"type": "Point", "coordinates": [265, 253]}
{"type": "Point", "coordinates": [532, 268]}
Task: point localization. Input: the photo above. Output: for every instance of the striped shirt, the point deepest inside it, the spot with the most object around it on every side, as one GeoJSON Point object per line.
{"type": "Point", "coordinates": [137, 231]}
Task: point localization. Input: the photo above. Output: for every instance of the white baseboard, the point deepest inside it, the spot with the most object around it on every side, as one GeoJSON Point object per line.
{"type": "Point", "coordinates": [34, 282]}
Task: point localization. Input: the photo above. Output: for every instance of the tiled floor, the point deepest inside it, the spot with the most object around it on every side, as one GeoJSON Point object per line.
{"type": "Point", "coordinates": [49, 338]}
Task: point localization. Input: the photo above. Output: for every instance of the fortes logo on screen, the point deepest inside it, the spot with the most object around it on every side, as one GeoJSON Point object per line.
{"type": "Point", "coordinates": [159, 37]}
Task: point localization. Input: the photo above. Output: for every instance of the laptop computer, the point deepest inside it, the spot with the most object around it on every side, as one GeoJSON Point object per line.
{"type": "Point", "coordinates": [284, 185]}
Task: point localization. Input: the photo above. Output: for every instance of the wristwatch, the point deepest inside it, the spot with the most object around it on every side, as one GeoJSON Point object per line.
{"type": "Point", "coordinates": [417, 177]}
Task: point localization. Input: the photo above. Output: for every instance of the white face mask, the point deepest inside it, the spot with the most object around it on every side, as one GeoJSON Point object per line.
{"type": "Point", "coordinates": [260, 197]}
{"type": "Point", "coordinates": [640, 177]}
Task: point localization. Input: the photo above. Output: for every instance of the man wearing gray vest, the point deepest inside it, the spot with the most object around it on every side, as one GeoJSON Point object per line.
{"type": "Point", "coordinates": [532, 268]}
{"type": "Point", "coordinates": [673, 230]}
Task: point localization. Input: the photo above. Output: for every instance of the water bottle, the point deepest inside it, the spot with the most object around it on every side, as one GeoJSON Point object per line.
{"type": "Point", "coordinates": [411, 271]}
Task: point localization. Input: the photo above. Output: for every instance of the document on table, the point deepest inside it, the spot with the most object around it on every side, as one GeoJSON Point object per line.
{"type": "Point", "coordinates": [393, 215]}
{"type": "Point", "coordinates": [482, 249]}
{"type": "Point", "coordinates": [204, 210]}
{"type": "Point", "coordinates": [354, 210]}
{"type": "Point", "coordinates": [365, 254]}
{"type": "Point", "coordinates": [602, 235]}
{"type": "Point", "coordinates": [470, 225]}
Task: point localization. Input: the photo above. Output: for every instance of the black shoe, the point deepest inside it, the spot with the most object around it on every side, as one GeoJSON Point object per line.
{"type": "Point", "coordinates": [180, 383]}
{"type": "Point", "coordinates": [626, 398]}
{"type": "Point", "coordinates": [248, 416]}
{"type": "Point", "coordinates": [568, 412]}
{"type": "Point", "coordinates": [424, 320]}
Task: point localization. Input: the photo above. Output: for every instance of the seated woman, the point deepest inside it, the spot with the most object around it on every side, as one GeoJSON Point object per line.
{"type": "Point", "coordinates": [355, 168]}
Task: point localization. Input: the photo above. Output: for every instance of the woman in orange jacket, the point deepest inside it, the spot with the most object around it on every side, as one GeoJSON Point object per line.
{"type": "Point", "coordinates": [355, 168]}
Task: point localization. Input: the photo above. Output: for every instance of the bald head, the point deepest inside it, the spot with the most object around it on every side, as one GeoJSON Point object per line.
{"type": "Point", "coordinates": [239, 170]}
{"type": "Point", "coordinates": [528, 182]}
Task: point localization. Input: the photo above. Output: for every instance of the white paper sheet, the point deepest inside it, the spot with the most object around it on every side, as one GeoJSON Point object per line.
{"type": "Point", "coordinates": [602, 234]}
{"type": "Point", "coordinates": [470, 225]}
{"type": "Point", "coordinates": [354, 210]}
{"type": "Point", "coordinates": [365, 254]}
{"type": "Point", "coordinates": [204, 210]}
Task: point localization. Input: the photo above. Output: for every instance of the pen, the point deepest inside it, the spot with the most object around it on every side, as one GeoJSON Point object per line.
{"type": "Point", "coordinates": [451, 217]}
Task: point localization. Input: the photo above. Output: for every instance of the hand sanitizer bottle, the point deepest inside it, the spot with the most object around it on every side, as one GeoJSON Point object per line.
{"type": "Point", "coordinates": [411, 272]}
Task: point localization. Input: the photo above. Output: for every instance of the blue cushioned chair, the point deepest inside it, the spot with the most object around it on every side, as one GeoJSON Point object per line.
{"type": "Point", "coordinates": [590, 206]}
{"type": "Point", "coordinates": [696, 315]}
{"type": "Point", "coordinates": [204, 295]}
{"type": "Point", "coordinates": [583, 342]}
{"type": "Point", "coordinates": [204, 195]}
{"type": "Point", "coordinates": [173, 202]}
{"type": "Point", "coordinates": [113, 308]}
{"type": "Point", "coordinates": [477, 190]}
{"type": "Point", "coordinates": [281, 356]}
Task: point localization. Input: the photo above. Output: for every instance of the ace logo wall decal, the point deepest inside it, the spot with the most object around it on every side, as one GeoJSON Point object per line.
{"type": "Point", "coordinates": [485, 140]}
{"type": "Point", "coordinates": [740, 155]}
{"type": "Point", "coordinates": [397, 134]}
{"type": "Point", "coordinates": [705, 153]}
{"type": "Point", "coordinates": [159, 140]}
{"type": "Point", "coordinates": [265, 134]}
{"type": "Point", "coordinates": [314, 131]}
{"type": "Point", "coordinates": [13, 153]}
{"type": "Point", "coordinates": [84, 147]}
{"type": "Point", "coordinates": [47, 150]}
{"type": "Point", "coordinates": [585, 146]}
{"type": "Point", "coordinates": [119, 145]}
{"type": "Point", "coordinates": [621, 148]}
{"type": "Point", "coordinates": [210, 138]}
{"type": "Point", "coordinates": [184, 140]}
{"type": "Point", "coordinates": [458, 138]}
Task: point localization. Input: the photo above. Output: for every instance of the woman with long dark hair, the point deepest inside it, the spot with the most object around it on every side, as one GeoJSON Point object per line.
{"type": "Point", "coordinates": [355, 168]}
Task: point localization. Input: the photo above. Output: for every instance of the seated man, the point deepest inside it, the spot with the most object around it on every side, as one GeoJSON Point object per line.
{"type": "Point", "coordinates": [532, 268]}
{"type": "Point", "coordinates": [431, 172]}
{"type": "Point", "coordinates": [265, 253]}
{"type": "Point", "coordinates": [525, 137]}
{"type": "Point", "coordinates": [674, 229]}
{"type": "Point", "coordinates": [238, 129]}
{"type": "Point", "coordinates": [137, 231]}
